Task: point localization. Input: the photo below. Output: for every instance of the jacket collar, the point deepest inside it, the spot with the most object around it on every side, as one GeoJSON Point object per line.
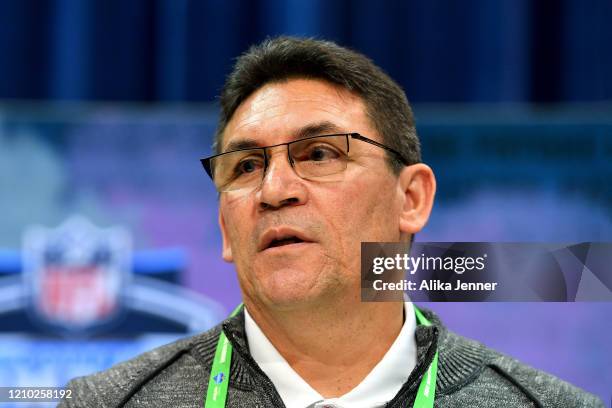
{"type": "Point", "coordinates": [459, 359]}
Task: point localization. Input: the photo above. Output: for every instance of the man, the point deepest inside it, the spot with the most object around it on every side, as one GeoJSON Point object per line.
{"type": "Point", "coordinates": [316, 152]}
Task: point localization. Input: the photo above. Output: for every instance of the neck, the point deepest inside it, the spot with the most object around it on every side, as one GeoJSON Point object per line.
{"type": "Point", "coordinates": [310, 337]}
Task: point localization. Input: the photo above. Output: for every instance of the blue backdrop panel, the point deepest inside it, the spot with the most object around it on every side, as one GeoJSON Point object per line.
{"type": "Point", "coordinates": [440, 50]}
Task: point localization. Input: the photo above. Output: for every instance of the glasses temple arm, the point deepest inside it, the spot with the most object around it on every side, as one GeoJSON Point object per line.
{"type": "Point", "coordinates": [375, 143]}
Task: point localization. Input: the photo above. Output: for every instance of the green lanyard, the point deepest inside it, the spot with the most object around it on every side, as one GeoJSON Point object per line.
{"type": "Point", "coordinates": [219, 373]}
{"type": "Point", "coordinates": [427, 389]}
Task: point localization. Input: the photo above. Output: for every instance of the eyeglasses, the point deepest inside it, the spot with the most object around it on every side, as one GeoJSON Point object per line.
{"type": "Point", "coordinates": [321, 158]}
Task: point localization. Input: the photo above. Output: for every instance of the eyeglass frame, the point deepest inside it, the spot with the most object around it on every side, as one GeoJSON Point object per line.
{"type": "Point", "coordinates": [206, 161]}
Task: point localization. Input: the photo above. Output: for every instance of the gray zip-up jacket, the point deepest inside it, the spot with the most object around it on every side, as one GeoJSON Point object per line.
{"type": "Point", "coordinates": [177, 375]}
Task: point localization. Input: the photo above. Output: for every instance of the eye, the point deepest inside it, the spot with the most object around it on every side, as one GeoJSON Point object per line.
{"type": "Point", "coordinates": [249, 165]}
{"type": "Point", "coordinates": [320, 152]}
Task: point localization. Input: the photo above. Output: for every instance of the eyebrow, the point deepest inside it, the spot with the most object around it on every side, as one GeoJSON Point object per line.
{"type": "Point", "coordinates": [313, 129]}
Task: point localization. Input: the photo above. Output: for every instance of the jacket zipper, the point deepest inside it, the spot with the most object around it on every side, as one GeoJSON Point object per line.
{"type": "Point", "coordinates": [419, 370]}
{"type": "Point", "coordinates": [278, 402]}
{"type": "Point", "coordinates": [267, 383]}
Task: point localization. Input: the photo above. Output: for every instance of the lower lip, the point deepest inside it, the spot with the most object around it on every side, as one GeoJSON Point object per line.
{"type": "Point", "coordinates": [288, 247]}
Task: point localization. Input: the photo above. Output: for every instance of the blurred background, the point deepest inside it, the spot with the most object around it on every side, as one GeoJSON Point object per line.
{"type": "Point", "coordinates": [109, 242]}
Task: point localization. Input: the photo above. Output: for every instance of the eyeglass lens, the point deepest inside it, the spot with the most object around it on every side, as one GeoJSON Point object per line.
{"type": "Point", "coordinates": [321, 158]}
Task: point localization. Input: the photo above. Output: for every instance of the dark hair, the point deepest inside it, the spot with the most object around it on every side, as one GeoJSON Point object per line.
{"type": "Point", "coordinates": [283, 58]}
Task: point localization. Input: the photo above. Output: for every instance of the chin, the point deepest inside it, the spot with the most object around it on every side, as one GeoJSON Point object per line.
{"type": "Point", "coordinates": [291, 286]}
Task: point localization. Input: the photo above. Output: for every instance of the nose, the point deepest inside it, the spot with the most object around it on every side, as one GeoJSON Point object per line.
{"type": "Point", "coordinates": [281, 186]}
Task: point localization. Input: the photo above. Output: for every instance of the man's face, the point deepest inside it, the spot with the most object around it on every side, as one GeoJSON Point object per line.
{"type": "Point", "coordinates": [330, 219]}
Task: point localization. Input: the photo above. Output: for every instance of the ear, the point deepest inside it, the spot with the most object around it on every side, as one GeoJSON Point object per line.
{"type": "Point", "coordinates": [227, 249]}
{"type": "Point", "coordinates": [417, 185]}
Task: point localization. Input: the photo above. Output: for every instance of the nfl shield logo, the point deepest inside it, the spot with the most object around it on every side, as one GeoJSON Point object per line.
{"type": "Point", "coordinates": [76, 273]}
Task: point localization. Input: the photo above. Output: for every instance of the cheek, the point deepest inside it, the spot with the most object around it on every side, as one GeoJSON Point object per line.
{"type": "Point", "coordinates": [367, 212]}
{"type": "Point", "coordinates": [239, 232]}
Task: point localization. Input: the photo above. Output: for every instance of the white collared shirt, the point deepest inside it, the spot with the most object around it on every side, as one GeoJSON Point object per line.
{"type": "Point", "coordinates": [376, 389]}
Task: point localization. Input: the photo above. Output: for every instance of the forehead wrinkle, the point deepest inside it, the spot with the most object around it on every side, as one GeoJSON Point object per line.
{"type": "Point", "coordinates": [249, 124]}
{"type": "Point", "coordinates": [308, 130]}
{"type": "Point", "coordinates": [272, 102]}
{"type": "Point", "coordinates": [251, 130]}
{"type": "Point", "coordinates": [279, 94]}
{"type": "Point", "coordinates": [283, 108]}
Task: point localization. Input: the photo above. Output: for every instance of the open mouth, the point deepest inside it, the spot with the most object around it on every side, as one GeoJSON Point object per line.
{"type": "Point", "coordinates": [284, 241]}
{"type": "Point", "coordinates": [283, 237]}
